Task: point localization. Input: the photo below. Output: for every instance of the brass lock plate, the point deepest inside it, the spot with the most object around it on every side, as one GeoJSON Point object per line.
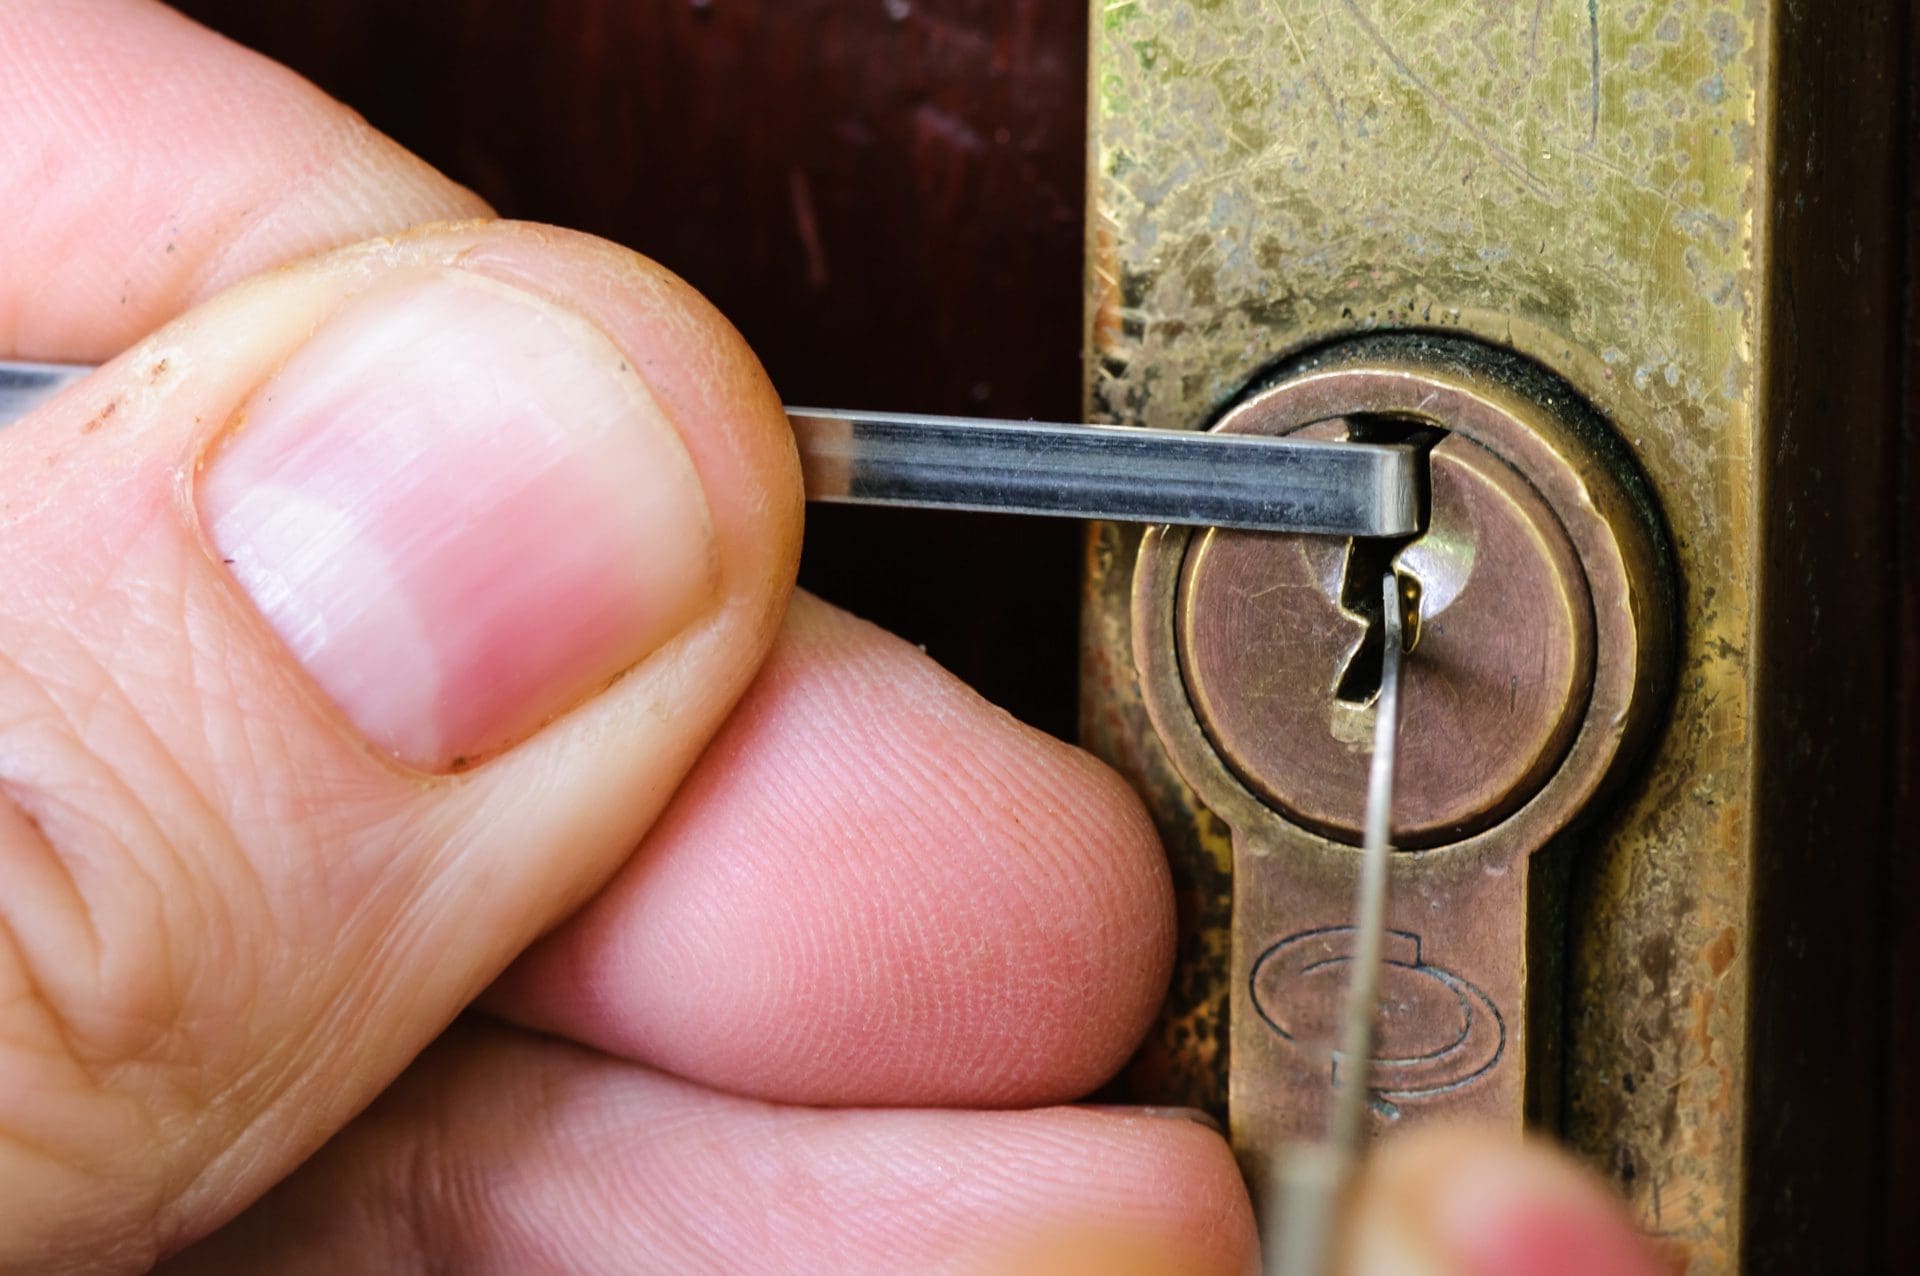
{"type": "Point", "coordinates": [1685, 209]}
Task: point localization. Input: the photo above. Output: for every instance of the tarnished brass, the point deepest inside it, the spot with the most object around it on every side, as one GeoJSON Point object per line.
{"type": "Point", "coordinates": [1685, 209]}
{"type": "Point", "coordinates": [1542, 564]}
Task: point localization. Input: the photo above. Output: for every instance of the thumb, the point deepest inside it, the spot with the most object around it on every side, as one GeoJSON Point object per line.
{"type": "Point", "coordinates": [354, 628]}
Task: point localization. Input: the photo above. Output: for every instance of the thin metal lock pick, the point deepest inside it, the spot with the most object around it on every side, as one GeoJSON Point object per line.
{"type": "Point", "coordinates": [1311, 1180]}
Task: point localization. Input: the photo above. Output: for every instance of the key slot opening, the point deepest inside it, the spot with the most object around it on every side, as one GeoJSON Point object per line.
{"type": "Point", "coordinates": [1371, 557]}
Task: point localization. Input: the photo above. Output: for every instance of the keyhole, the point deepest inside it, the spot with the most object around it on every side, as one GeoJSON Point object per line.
{"type": "Point", "coordinates": [1370, 558]}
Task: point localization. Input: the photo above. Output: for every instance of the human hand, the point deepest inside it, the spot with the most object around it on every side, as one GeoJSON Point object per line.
{"type": "Point", "coordinates": [357, 625]}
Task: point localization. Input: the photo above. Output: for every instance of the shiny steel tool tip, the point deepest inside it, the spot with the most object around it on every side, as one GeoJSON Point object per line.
{"type": "Point", "coordinates": [1109, 472]}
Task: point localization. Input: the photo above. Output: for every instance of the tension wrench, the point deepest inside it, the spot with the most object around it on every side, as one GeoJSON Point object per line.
{"type": "Point", "coordinates": [1122, 474]}
{"type": "Point", "coordinates": [1311, 1180]}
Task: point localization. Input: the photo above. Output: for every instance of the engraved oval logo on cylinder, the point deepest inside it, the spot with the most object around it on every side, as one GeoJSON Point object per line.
{"type": "Point", "coordinates": [1436, 1032]}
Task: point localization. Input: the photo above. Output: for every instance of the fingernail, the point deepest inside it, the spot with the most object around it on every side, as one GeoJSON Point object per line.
{"type": "Point", "coordinates": [463, 513]}
{"type": "Point", "coordinates": [1532, 1216]}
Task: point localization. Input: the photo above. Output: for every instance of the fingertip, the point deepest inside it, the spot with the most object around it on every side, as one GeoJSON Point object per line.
{"type": "Point", "coordinates": [1179, 1209]}
{"type": "Point", "coordinates": [1467, 1201]}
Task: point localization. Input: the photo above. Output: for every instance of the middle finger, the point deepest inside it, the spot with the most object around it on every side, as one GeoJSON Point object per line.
{"type": "Point", "coordinates": [875, 888]}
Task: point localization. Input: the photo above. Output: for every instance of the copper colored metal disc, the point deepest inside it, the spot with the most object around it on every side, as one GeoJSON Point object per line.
{"type": "Point", "coordinates": [1493, 695]}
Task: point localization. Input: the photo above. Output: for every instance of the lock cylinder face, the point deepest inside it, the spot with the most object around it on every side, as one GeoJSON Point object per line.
{"type": "Point", "coordinates": [1280, 642]}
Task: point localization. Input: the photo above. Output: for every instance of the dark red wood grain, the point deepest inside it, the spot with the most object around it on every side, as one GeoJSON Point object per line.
{"type": "Point", "coordinates": [884, 195]}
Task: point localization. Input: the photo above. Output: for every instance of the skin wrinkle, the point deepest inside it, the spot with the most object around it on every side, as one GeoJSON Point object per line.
{"type": "Point", "coordinates": [101, 974]}
{"type": "Point", "coordinates": [59, 1158]}
{"type": "Point", "coordinates": [90, 970]}
{"type": "Point", "coordinates": [102, 688]}
{"type": "Point", "coordinates": [83, 720]}
{"type": "Point", "coordinates": [244, 889]}
{"type": "Point", "coordinates": [38, 1006]}
{"type": "Point", "coordinates": [257, 1093]}
{"type": "Point", "coordinates": [323, 1058]}
{"type": "Point", "coordinates": [19, 811]}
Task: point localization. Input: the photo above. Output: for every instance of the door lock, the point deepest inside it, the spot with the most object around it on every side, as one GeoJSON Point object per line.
{"type": "Point", "coordinates": [1543, 598]}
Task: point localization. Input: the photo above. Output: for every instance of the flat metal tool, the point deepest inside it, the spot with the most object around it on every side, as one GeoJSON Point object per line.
{"type": "Point", "coordinates": [1311, 1180]}
{"type": "Point", "coordinates": [24, 385]}
{"type": "Point", "coordinates": [1074, 471]}
{"type": "Point", "coordinates": [1108, 472]}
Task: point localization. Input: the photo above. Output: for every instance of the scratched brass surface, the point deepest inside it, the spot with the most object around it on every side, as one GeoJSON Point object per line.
{"type": "Point", "coordinates": [1673, 206]}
